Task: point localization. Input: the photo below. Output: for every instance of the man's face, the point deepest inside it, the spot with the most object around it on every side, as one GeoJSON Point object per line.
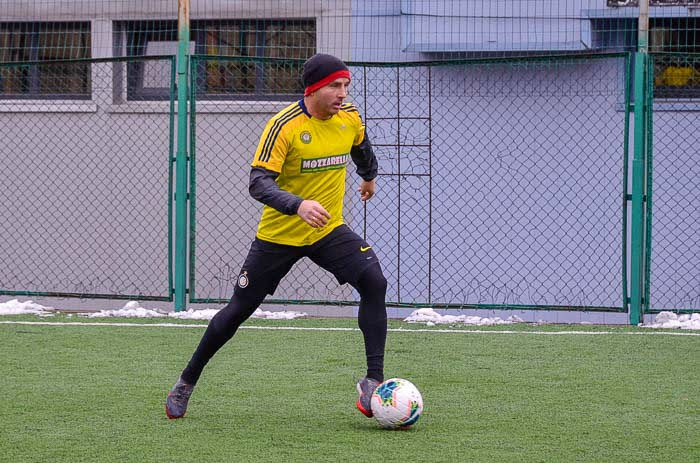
{"type": "Point", "coordinates": [329, 98]}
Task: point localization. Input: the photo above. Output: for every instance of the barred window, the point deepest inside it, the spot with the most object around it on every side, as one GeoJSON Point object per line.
{"type": "Point", "coordinates": [676, 73]}
{"type": "Point", "coordinates": [25, 46]}
{"type": "Point", "coordinates": [228, 72]}
{"type": "Point", "coordinates": [616, 3]}
{"type": "Point", "coordinates": [674, 43]}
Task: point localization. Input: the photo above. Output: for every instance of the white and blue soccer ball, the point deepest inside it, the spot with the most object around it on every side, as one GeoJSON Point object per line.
{"type": "Point", "coordinates": [396, 404]}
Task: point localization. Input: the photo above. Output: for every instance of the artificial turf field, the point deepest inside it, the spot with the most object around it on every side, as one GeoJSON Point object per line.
{"type": "Point", "coordinates": [536, 394]}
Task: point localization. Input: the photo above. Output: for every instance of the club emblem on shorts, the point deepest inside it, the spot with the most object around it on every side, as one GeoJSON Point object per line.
{"type": "Point", "coordinates": [305, 137]}
{"type": "Point", "coordinates": [243, 280]}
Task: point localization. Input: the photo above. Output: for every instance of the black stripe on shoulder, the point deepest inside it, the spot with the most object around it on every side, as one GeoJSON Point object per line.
{"type": "Point", "coordinates": [349, 108]}
{"type": "Point", "coordinates": [274, 132]}
{"type": "Point", "coordinates": [278, 120]}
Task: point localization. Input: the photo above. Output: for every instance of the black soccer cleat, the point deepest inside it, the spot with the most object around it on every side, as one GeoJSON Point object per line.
{"type": "Point", "coordinates": [365, 388]}
{"type": "Point", "coordinates": [176, 403]}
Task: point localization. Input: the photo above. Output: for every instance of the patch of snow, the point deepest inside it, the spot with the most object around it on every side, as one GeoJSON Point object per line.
{"type": "Point", "coordinates": [208, 314]}
{"type": "Point", "coordinates": [15, 307]}
{"type": "Point", "coordinates": [281, 315]}
{"type": "Point", "coordinates": [131, 309]}
{"type": "Point", "coordinates": [673, 320]}
{"type": "Point", "coordinates": [432, 318]}
{"type": "Point", "coordinates": [190, 314]}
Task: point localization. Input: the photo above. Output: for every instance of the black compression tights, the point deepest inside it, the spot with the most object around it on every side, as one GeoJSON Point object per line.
{"type": "Point", "coordinates": [371, 320]}
{"type": "Point", "coordinates": [221, 328]}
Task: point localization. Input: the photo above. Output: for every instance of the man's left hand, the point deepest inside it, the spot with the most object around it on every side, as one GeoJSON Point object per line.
{"type": "Point", "coordinates": [367, 189]}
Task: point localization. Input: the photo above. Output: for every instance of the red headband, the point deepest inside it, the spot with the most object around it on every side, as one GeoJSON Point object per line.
{"type": "Point", "coordinates": [326, 80]}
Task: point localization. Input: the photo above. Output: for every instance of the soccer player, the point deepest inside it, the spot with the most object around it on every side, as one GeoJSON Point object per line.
{"type": "Point", "coordinates": [298, 173]}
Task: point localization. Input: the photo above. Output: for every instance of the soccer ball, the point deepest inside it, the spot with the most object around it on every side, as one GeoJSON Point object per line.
{"type": "Point", "coordinates": [396, 404]}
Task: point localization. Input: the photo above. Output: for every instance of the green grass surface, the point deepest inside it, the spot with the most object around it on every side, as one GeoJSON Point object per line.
{"type": "Point", "coordinates": [96, 393]}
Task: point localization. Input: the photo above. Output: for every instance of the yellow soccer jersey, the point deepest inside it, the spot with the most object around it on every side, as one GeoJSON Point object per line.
{"type": "Point", "coordinates": [310, 156]}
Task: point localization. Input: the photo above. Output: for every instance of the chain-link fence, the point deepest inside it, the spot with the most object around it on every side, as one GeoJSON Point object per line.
{"type": "Point", "coordinates": [674, 186]}
{"type": "Point", "coordinates": [501, 184]}
{"type": "Point", "coordinates": [502, 131]}
{"type": "Point", "coordinates": [85, 189]}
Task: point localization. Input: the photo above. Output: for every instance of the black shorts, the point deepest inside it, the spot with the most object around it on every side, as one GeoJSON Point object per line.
{"type": "Point", "coordinates": [342, 252]}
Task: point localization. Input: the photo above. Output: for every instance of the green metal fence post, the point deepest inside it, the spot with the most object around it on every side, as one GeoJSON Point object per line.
{"type": "Point", "coordinates": [637, 273]}
{"type": "Point", "coordinates": [648, 183]}
{"type": "Point", "coordinates": [181, 157]}
{"type": "Point", "coordinates": [638, 196]}
{"type": "Point", "coordinates": [625, 182]}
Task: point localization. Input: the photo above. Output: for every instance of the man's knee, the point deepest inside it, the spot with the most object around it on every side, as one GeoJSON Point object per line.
{"type": "Point", "coordinates": [372, 280]}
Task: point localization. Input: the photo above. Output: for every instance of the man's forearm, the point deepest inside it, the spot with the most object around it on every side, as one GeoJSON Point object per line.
{"type": "Point", "coordinates": [365, 160]}
{"type": "Point", "coordinates": [262, 187]}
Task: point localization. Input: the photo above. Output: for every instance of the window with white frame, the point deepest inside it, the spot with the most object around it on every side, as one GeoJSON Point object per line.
{"type": "Point", "coordinates": [42, 60]}
{"type": "Point", "coordinates": [246, 59]}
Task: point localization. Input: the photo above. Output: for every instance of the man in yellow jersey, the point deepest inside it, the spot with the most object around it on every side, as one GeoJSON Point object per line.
{"type": "Point", "coordinates": [298, 173]}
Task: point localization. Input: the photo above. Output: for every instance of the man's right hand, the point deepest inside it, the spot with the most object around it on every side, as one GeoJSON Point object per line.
{"type": "Point", "coordinates": [313, 213]}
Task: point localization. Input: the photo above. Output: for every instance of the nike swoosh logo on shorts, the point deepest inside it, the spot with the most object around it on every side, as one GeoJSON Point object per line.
{"type": "Point", "coordinates": [365, 249]}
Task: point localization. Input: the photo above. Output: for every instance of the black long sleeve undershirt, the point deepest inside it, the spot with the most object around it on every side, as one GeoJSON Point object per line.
{"type": "Point", "coordinates": [365, 160]}
{"type": "Point", "coordinates": [262, 187]}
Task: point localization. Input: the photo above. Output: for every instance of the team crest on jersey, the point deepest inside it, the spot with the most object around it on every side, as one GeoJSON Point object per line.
{"type": "Point", "coordinates": [305, 137]}
{"type": "Point", "coordinates": [243, 280]}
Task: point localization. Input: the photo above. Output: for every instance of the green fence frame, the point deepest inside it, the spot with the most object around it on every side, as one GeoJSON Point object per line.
{"type": "Point", "coordinates": [636, 202]}
{"type": "Point", "coordinates": [624, 300]}
{"type": "Point", "coordinates": [684, 109]}
{"type": "Point", "coordinates": [170, 161]}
